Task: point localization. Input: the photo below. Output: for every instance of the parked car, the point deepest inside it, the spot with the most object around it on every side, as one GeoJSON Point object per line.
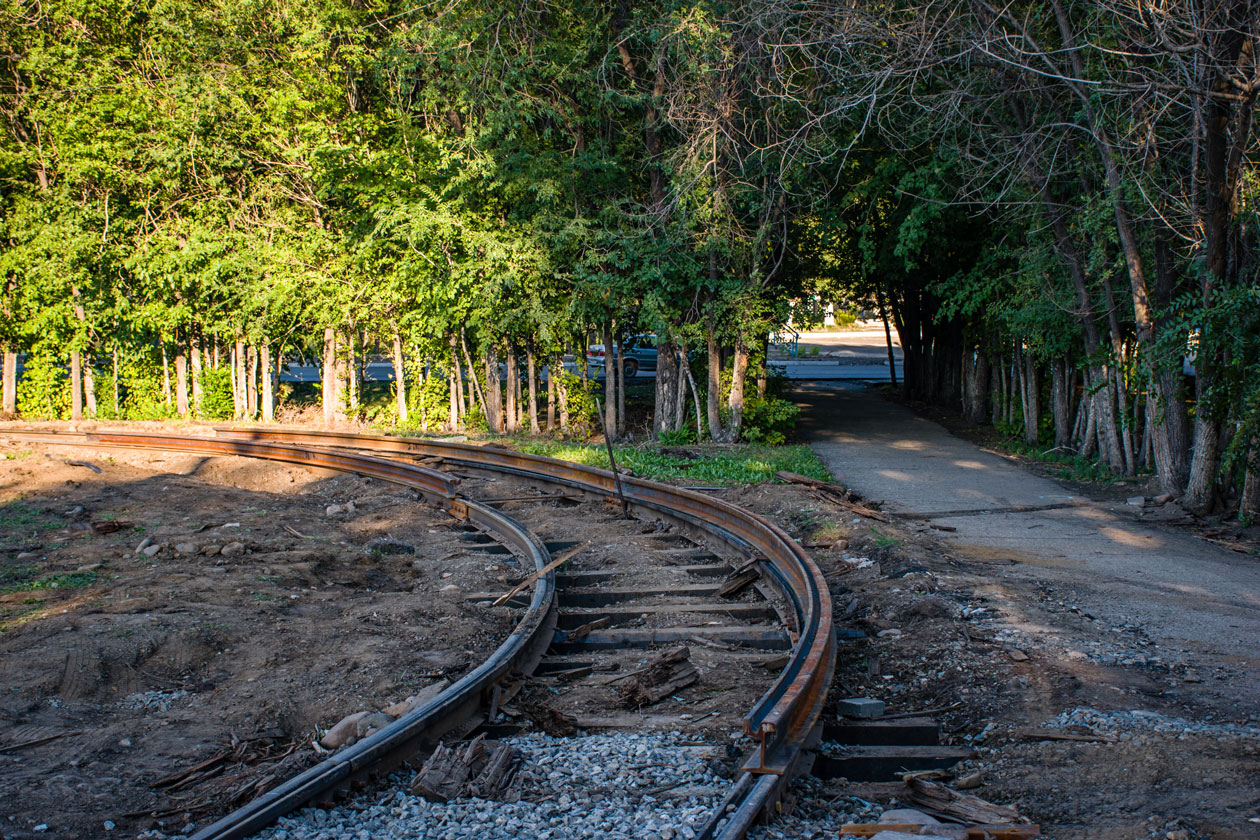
{"type": "Point", "coordinates": [638, 353]}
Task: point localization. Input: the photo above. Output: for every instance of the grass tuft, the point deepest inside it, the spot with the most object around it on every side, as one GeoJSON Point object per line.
{"type": "Point", "coordinates": [713, 465]}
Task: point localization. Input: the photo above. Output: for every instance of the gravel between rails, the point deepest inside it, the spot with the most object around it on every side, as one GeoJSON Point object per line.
{"type": "Point", "coordinates": [645, 786]}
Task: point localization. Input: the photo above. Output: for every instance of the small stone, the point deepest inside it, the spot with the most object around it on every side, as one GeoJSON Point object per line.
{"type": "Point", "coordinates": [371, 723]}
{"type": "Point", "coordinates": [41, 827]}
{"type": "Point", "coordinates": [1135, 501]}
{"type": "Point", "coordinates": [416, 700]}
{"type": "Point", "coordinates": [970, 782]}
{"type": "Point", "coordinates": [186, 548]}
{"type": "Point", "coordinates": [90, 567]}
{"type": "Point", "coordinates": [450, 587]}
{"type": "Point", "coordinates": [152, 551]}
{"type": "Point", "coordinates": [344, 732]}
{"type": "Point", "coordinates": [907, 816]}
{"type": "Point", "coordinates": [1017, 655]}
{"type": "Point", "coordinates": [26, 555]}
{"type": "Point", "coordinates": [1163, 499]}
{"type": "Point", "coordinates": [109, 825]}
{"type": "Point", "coordinates": [861, 707]}
{"type": "Point", "coordinates": [144, 543]}
{"type": "Point", "coordinates": [233, 549]}
{"type": "Point", "coordinates": [211, 549]}
{"type": "Point", "coordinates": [840, 544]}
{"type": "Point", "coordinates": [890, 633]}
{"type": "Point", "coordinates": [334, 510]}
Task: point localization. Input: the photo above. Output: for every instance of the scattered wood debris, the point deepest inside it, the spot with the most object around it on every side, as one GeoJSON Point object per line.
{"type": "Point", "coordinates": [668, 673]}
{"type": "Point", "coordinates": [481, 768]}
{"type": "Point", "coordinates": [939, 800]}
{"type": "Point", "coordinates": [552, 566]}
{"type": "Point", "coordinates": [836, 494]}
{"type": "Point", "coordinates": [739, 580]}
{"type": "Point", "coordinates": [582, 632]}
{"type": "Point", "coordinates": [548, 719]}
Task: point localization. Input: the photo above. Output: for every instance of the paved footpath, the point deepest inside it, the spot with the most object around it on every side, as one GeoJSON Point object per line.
{"type": "Point", "coordinates": [1188, 596]}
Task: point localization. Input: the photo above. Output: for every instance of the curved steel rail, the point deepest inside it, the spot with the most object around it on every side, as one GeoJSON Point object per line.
{"type": "Point", "coordinates": [389, 747]}
{"type": "Point", "coordinates": [784, 719]}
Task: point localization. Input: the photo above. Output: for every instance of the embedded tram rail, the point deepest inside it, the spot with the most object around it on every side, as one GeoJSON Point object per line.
{"type": "Point", "coordinates": [783, 722]}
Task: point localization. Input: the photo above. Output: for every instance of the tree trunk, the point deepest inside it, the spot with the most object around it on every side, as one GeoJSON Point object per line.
{"type": "Point", "coordinates": [181, 380]}
{"type": "Point", "coordinates": [350, 369]}
{"type": "Point", "coordinates": [1205, 461]}
{"type": "Point", "coordinates": [453, 387]}
{"type": "Point", "coordinates": [196, 376]}
{"type": "Point", "coordinates": [739, 374]}
{"type": "Point", "coordinates": [89, 386]}
{"type": "Point", "coordinates": [562, 397]}
{"type": "Point", "coordinates": [998, 391]}
{"type": "Point", "coordinates": [330, 396]}
{"type": "Point", "coordinates": [400, 379]}
{"type": "Point", "coordinates": [268, 374]}
{"type": "Point", "coordinates": [10, 382]}
{"type": "Point", "coordinates": [1031, 401]}
{"type": "Point", "coordinates": [531, 376]}
{"type": "Point", "coordinates": [242, 386]}
{"type": "Point", "coordinates": [118, 410]}
{"type": "Point", "coordinates": [76, 387]}
{"type": "Point", "coordinates": [492, 397]}
{"type": "Point", "coordinates": [610, 384]}
{"type": "Point", "coordinates": [513, 390]}
{"type": "Point", "coordinates": [457, 380]}
{"type": "Point", "coordinates": [554, 369]}
{"type": "Point", "coordinates": [680, 399]}
{"type": "Point", "coordinates": [1061, 402]}
{"type": "Point", "coordinates": [1249, 501]}
{"type": "Point", "coordinates": [665, 410]}
{"type": "Point", "coordinates": [1109, 447]}
{"type": "Point", "coordinates": [763, 373]}
{"type": "Point", "coordinates": [620, 367]}
{"type": "Point", "coordinates": [716, 433]}
{"type": "Point", "coordinates": [251, 381]}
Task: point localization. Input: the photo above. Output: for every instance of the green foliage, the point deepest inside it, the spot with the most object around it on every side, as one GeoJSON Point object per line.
{"type": "Point", "coordinates": [725, 465]}
{"type": "Point", "coordinates": [769, 420]}
{"type": "Point", "coordinates": [26, 579]}
{"type": "Point", "coordinates": [583, 412]}
{"type": "Point", "coordinates": [216, 394]}
{"type": "Point", "coordinates": [44, 390]}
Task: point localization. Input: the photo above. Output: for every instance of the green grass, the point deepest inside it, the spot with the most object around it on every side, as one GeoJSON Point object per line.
{"type": "Point", "coordinates": [20, 515]}
{"type": "Point", "coordinates": [15, 456]}
{"type": "Point", "coordinates": [725, 465]}
{"type": "Point", "coordinates": [60, 580]}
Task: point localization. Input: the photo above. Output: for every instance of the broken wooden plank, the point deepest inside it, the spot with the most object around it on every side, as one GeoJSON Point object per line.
{"type": "Point", "coordinates": [739, 580]}
{"type": "Point", "coordinates": [974, 832]}
{"type": "Point", "coordinates": [964, 807]}
{"type": "Point", "coordinates": [529, 581]}
{"type": "Point", "coordinates": [1057, 735]}
{"type": "Point", "coordinates": [663, 676]}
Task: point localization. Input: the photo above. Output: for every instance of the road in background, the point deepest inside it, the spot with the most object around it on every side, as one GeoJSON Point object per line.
{"type": "Point", "coordinates": [853, 354]}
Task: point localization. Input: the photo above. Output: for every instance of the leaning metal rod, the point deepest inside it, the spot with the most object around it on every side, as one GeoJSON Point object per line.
{"type": "Point", "coordinates": [625, 507]}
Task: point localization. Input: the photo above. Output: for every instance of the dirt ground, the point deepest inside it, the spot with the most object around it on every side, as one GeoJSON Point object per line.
{"type": "Point", "coordinates": [259, 615]}
{"type": "Point", "coordinates": [1091, 731]}
{"type": "Point", "coordinates": [120, 669]}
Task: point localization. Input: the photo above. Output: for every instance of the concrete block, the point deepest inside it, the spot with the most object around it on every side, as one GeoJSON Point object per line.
{"type": "Point", "coordinates": [861, 707]}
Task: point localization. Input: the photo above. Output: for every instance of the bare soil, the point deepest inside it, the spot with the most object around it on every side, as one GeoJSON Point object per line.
{"type": "Point", "coordinates": [1009, 662]}
{"type": "Point", "coordinates": [120, 668]}
{"type": "Point", "coordinates": [140, 667]}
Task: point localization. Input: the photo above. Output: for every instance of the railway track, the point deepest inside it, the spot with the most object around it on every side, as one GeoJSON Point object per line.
{"type": "Point", "coordinates": [603, 613]}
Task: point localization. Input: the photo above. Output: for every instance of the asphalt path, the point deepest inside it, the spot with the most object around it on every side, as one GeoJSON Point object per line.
{"type": "Point", "coordinates": [1195, 600]}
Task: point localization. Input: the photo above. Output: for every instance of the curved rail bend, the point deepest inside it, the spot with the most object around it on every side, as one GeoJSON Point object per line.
{"type": "Point", "coordinates": [784, 720]}
{"type": "Point", "coordinates": [389, 747]}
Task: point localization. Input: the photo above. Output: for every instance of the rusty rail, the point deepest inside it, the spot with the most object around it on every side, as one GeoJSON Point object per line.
{"type": "Point", "coordinates": [784, 719]}
{"type": "Point", "coordinates": [388, 748]}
